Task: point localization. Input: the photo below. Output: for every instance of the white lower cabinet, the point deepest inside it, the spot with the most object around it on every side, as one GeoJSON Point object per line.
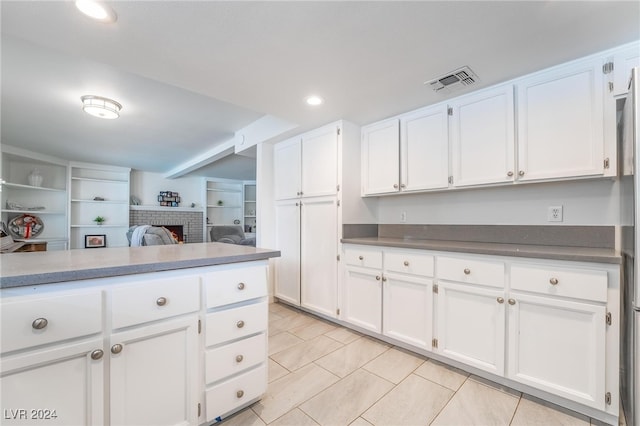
{"type": "Point", "coordinates": [407, 305]}
{"type": "Point", "coordinates": [362, 298]}
{"type": "Point", "coordinates": [471, 325]}
{"type": "Point", "coordinates": [154, 374]}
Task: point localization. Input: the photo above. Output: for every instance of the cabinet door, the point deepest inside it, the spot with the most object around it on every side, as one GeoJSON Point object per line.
{"type": "Point", "coordinates": [286, 167]}
{"type": "Point", "coordinates": [424, 149]}
{"type": "Point", "coordinates": [381, 158]}
{"type": "Point", "coordinates": [482, 137]}
{"type": "Point", "coordinates": [558, 346]}
{"type": "Point", "coordinates": [471, 325]}
{"type": "Point", "coordinates": [154, 377]}
{"type": "Point", "coordinates": [320, 162]}
{"type": "Point", "coordinates": [58, 386]}
{"type": "Point", "coordinates": [287, 275]}
{"type": "Point", "coordinates": [362, 298]}
{"type": "Point", "coordinates": [319, 251]}
{"type": "Point", "coordinates": [560, 123]}
{"type": "Point", "coordinates": [408, 309]}
{"type": "Point", "coordinates": [624, 61]}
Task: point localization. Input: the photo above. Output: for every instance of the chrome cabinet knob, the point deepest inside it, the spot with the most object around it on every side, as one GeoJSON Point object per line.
{"type": "Point", "coordinates": [39, 323]}
{"type": "Point", "coordinates": [240, 394]}
{"type": "Point", "coordinates": [406, 263]}
{"type": "Point", "coordinates": [384, 279]}
{"type": "Point", "coordinates": [509, 173]}
{"type": "Point", "coordinates": [240, 324]}
{"type": "Point", "coordinates": [239, 358]}
{"type": "Point", "coordinates": [512, 302]}
{"type": "Point", "coordinates": [116, 349]}
{"type": "Point", "coordinates": [378, 277]}
{"type": "Point", "coordinates": [97, 354]}
{"type": "Point", "coordinates": [360, 257]}
{"type": "Point", "coordinates": [301, 193]}
{"type": "Point", "coordinates": [553, 281]}
{"type": "Point", "coordinates": [240, 286]}
{"type": "Point", "coordinates": [521, 173]}
{"type": "Point", "coordinates": [161, 301]}
{"type": "Point", "coordinates": [467, 271]}
{"type": "Point", "coordinates": [402, 185]}
{"type": "Point", "coordinates": [500, 300]}
{"type": "Point", "coordinates": [395, 186]}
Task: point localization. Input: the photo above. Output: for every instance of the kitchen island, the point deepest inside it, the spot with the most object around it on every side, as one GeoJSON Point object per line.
{"type": "Point", "coordinates": [144, 335]}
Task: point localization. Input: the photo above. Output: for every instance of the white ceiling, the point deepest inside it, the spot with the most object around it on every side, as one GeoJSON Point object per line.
{"type": "Point", "coordinates": [191, 73]}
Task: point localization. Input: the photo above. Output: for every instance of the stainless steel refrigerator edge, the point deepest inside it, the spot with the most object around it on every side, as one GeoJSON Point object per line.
{"type": "Point", "coordinates": [630, 245]}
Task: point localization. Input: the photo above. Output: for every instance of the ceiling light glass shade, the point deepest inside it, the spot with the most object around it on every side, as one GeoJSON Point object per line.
{"type": "Point", "coordinates": [314, 100]}
{"type": "Point", "coordinates": [101, 107]}
{"type": "Point", "coordinates": [97, 10]}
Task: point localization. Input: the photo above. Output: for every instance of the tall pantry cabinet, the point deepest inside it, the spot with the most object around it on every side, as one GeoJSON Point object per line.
{"type": "Point", "coordinates": [307, 178]}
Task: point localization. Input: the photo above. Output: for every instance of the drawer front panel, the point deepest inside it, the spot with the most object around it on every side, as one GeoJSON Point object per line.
{"type": "Point", "coordinates": [235, 285]}
{"type": "Point", "coordinates": [362, 256]}
{"type": "Point", "coordinates": [409, 263]}
{"type": "Point", "coordinates": [231, 324]}
{"type": "Point", "coordinates": [235, 357]}
{"type": "Point", "coordinates": [226, 396]}
{"type": "Point", "coordinates": [566, 282]}
{"type": "Point", "coordinates": [40, 321]}
{"type": "Point", "coordinates": [471, 271]}
{"type": "Point", "coordinates": [154, 300]}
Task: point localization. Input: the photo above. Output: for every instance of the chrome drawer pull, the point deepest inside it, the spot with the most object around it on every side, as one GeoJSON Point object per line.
{"type": "Point", "coordinates": [116, 349]}
{"type": "Point", "coordinates": [500, 300]}
{"type": "Point", "coordinates": [360, 257]}
{"type": "Point", "coordinates": [239, 358]}
{"type": "Point", "coordinates": [39, 323]}
{"type": "Point", "coordinates": [240, 394]}
{"type": "Point", "coordinates": [97, 354]}
{"type": "Point", "coordinates": [240, 324]}
{"type": "Point", "coordinates": [406, 263]}
{"type": "Point", "coordinates": [553, 281]}
{"type": "Point", "coordinates": [512, 301]}
{"type": "Point", "coordinates": [240, 286]}
{"type": "Point", "coordinates": [378, 277]}
{"type": "Point", "coordinates": [161, 301]}
{"type": "Point", "coordinates": [467, 271]}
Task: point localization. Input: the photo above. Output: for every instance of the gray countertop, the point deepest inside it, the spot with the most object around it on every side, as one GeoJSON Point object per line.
{"type": "Point", "coordinates": [46, 267]}
{"type": "Point", "coordinates": [579, 254]}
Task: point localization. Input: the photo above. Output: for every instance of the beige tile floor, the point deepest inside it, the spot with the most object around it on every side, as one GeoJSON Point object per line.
{"type": "Point", "coordinates": [324, 374]}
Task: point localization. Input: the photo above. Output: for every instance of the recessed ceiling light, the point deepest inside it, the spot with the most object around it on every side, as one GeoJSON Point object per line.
{"type": "Point", "coordinates": [97, 10]}
{"type": "Point", "coordinates": [314, 100]}
{"type": "Point", "coordinates": [101, 107]}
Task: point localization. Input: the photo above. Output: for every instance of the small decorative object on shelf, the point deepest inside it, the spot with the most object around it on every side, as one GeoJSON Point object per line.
{"type": "Point", "coordinates": [100, 220]}
{"type": "Point", "coordinates": [220, 202]}
{"type": "Point", "coordinates": [169, 199]}
{"type": "Point", "coordinates": [25, 226]}
{"type": "Point", "coordinates": [95, 241]}
{"type": "Point", "coordinates": [98, 198]}
{"type": "Point", "coordinates": [35, 178]}
{"type": "Point", "coordinates": [236, 222]}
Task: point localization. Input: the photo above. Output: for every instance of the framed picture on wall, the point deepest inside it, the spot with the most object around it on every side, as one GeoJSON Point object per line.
{"type": "Point", "coordinates": [95, 241]}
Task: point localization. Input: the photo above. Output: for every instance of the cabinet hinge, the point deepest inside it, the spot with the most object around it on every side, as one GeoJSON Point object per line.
{"type": "Point", "coordinates": [451, 180]}
{"type": "Point", "coordinates": [338, 258]}
{"type": "Point", "coordinates": [338, 129]}
{"type": "Point", "coordinates": [199, 410]}
{"type": "Point", "coordinates": [338, 188]}
{"type": "Point", "coordinates": [199, 326]}
{"type": "Point", "coordinates": [435, 288]}
{"type": "Point", "coordinates": [608, 318]}
{"type": "Point", "coordinates": [606, 163]}
{"type": "Point", "coordinates": [338, 203]}
{"type": "Point", "coordinates": [610, 86]}
{"type": "Point", "coordinates": [434, 343]}
{"type": "Point", "coordinates": [338, 311]}
{"type": "Point", "coordinates": [450, 111]}
{"type": "Point", "coordinates": [607, 398]}
{"type": "Point", "coordinates": [607, 68]}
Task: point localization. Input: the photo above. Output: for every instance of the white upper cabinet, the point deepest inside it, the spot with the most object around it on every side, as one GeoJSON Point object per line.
{"type": "Point", "coordinates": [482, 137]}
{"type": "Point", "coordinates": [560, 123]}
{"type": "Point", "coordinates": [381, 158]}
{"type": "Point", "coordinates": [307, 165]}
{"type": "Point", "coordinates": [623, 62]}
{"type": "Point", "coordinates": [424, 149]}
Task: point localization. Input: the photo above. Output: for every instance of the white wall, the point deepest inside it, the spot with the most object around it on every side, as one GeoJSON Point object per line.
{"type": "Point", "coordinates": [585, 202]}
{"type": "Point", "coordinates": [146, 186]}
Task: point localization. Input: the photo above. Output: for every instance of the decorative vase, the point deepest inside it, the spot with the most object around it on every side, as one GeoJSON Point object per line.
{"type": "Point", "coordinates": [35, 178]}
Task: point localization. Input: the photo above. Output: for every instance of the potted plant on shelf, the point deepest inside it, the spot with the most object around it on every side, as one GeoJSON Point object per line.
{"type": "Point", "coordinates": [100, 220]}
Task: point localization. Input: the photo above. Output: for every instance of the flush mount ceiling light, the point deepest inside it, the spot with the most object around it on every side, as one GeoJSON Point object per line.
{"type": "Point", "coordinates": [314, 100]}
{"type": "Point", "coordinates": [101, 107]}
{"type": "Point", "coordinates": [97, 10]}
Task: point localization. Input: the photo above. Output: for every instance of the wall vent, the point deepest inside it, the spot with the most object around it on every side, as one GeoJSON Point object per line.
{"type": "Point", "coordinates": [454, 80]}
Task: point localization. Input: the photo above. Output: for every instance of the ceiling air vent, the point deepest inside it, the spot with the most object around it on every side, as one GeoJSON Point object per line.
{"type": "Point", "coordinates": [453, 80]}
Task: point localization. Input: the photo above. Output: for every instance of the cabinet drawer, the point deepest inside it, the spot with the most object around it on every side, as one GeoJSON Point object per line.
{"type": "Point", "coordinates": [568, 282]}
{"type": "Point", "coordinates": [235, 285]}
{"type": "Point", "coordinates": [409, 262]}
{"type": "Point", "coordinates": [67, 316]}
{"type": "Point", "coordinates": [236, 323]}
{"type": "Point", "coordinates": [472, 271]}
{"type": "Point", "coordinates": [235, 357]}
{"type": "Point", "coordinates": [363, 256]}
{"type": "Point", "coordinates": [226, 396]}
{"type": "Point", "coordinates": [154, 300]}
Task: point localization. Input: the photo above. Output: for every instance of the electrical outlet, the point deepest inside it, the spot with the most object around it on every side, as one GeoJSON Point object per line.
{"type": "Point", "coordinates": [403, 217]}
{"type": "Point", "coordinates": [554, 214]}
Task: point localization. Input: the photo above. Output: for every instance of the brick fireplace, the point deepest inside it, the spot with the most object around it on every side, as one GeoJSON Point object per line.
{"type": "Point", "coordinates": [191, 221]}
